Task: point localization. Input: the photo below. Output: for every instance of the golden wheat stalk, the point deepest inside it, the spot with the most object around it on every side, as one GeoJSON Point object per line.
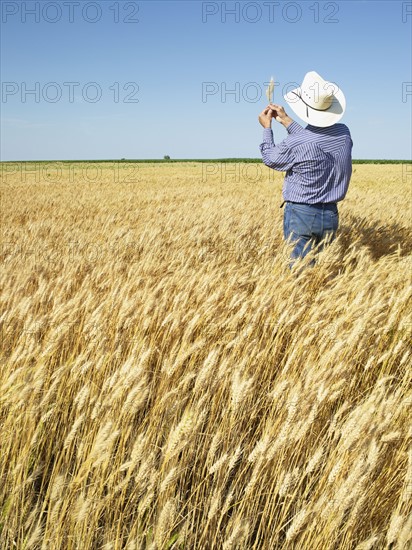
{"type": "Point", "coordinates": [270, 90]}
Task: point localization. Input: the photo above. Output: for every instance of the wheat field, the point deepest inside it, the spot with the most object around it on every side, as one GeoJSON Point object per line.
{"type": "Point", "coordinates": [168, 382]}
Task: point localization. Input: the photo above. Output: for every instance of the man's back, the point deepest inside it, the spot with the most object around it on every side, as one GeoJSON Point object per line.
{"type": "Point", "coordinates": [317, 161]}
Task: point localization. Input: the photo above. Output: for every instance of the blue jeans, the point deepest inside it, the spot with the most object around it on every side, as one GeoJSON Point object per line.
{"type": "Point", "coordinates": [308, 225]}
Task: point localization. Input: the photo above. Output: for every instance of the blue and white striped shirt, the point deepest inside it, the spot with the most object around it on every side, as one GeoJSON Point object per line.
{"type": "Point", "coordinates": [317, 162]}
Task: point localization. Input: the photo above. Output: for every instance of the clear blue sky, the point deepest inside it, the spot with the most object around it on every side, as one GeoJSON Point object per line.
{"type": "Point", "coordinates": [167, 51]}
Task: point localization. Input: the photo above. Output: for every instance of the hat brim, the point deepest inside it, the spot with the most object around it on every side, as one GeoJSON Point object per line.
{"type": "Point", "coordinates": [314, 117]}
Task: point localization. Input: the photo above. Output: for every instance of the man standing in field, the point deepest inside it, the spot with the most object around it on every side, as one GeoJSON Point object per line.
{"type": "Point", "coordinates": [317, 160]}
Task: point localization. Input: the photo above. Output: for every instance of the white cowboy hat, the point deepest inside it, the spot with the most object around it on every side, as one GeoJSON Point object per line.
{"type": "Point", "coordinates": [317, 102]}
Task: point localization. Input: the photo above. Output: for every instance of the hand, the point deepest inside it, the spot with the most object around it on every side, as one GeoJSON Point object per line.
{"type": "Point", "coordinates": [265, 117]}
{"type": "Point", "coordinates": [278, 113]}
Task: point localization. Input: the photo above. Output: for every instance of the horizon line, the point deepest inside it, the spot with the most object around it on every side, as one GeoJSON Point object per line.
{"type": "Point", "coordinates": [219, 159]}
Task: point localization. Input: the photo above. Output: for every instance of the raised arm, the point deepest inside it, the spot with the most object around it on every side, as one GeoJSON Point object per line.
{"type": "Point", "coordinates": [279, 157]}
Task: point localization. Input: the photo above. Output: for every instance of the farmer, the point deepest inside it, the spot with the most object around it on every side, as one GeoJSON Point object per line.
{"type": "Point", "coordinates": [317, 160]}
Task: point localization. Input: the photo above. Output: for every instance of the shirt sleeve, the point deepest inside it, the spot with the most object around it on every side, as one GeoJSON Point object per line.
{"type": "Point", "coordinates": [295, 128]}
{"type": "Point", "coordinates": [279, 157]}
